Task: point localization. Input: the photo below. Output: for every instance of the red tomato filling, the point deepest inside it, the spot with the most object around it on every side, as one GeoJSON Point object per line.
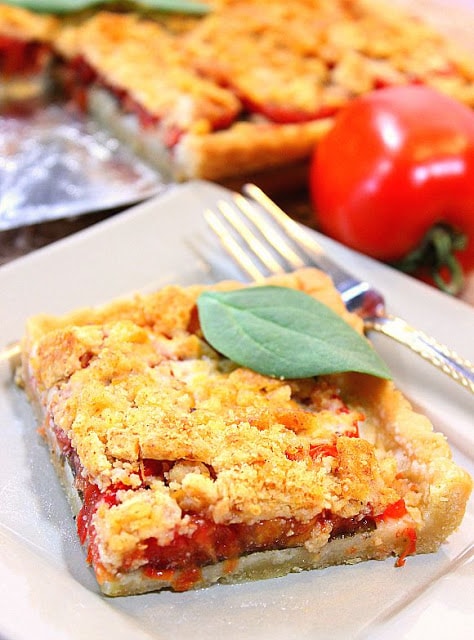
{"type": "Point", "coordinates": [396, 510]}
{"type": "Point", "coordinates": [18, 57]}
{"type": "Point", "coordinates": [287, 114]}
{"type": "Point", "coordinates": [410, 545]}
{"type": "Point", "coordinates": [78, 77]}
{"type": "Point", "coordinates": [180, 561]}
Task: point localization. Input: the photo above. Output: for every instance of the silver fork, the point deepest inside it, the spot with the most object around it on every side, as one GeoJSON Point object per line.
{"type": "Point", "coordinates": [263, 240]}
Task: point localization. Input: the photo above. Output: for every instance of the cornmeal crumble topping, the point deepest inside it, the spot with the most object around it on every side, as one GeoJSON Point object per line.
{"type": "Point", "coordinates": [289, 62]}
{"type": "Point", "coordinates": [139, 56]}
{"type": "Point", "coordinates": [141, 385]}
{"type": "Point", "coordinates": [306, 58]}
{"type": "Point", "coordinates": [25, 25]}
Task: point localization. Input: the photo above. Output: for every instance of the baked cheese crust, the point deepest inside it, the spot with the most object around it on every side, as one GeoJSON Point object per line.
{"type": "Point", "coordinates": [186, 469]}
{"type": "Point", "coordinates": [250, 87]}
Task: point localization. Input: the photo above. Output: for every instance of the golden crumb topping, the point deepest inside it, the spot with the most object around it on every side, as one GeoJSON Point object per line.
{"type": "Point", "coordinates": [135, 382]}
{"type": "Point", "coordinates": [140, 57]}
{"type": "Point", "coordinates": [275, 61]}
{"type": "Point", "coordinates": [26, 25]}
{"type": "Point", "coordinates": [301, 59]}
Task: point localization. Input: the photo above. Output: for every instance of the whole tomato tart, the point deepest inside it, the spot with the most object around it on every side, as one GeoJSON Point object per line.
{"type": "Point", "coordinates": [249, 87]}
{"type": "Point", "coordinates": [185, 469]}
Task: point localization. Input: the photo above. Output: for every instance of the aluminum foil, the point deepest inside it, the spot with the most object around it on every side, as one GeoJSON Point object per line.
{"type": "Point", "coordinates": [55, 164]}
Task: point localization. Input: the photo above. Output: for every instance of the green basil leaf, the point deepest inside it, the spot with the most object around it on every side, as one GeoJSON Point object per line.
{"type": "Point", "coordinates": [284, 333]}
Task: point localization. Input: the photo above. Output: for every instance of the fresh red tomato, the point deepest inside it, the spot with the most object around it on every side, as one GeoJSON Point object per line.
{"type": "Point", "coordinates": [397, 163]}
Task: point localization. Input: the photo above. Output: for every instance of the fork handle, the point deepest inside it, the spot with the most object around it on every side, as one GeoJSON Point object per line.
{"type": "Point", "coordinates": [443, 358]}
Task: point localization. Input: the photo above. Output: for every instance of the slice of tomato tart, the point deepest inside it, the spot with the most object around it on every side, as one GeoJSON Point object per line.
{"type": "Point", "coordinates": [185, 469]}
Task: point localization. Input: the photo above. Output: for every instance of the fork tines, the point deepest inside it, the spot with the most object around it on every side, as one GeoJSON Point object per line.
{"type": "Point", "coordinates": [258, 237]}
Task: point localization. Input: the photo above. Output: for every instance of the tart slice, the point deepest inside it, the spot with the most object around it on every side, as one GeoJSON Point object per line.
{"type": "Point", "coordinates": [185, 469]}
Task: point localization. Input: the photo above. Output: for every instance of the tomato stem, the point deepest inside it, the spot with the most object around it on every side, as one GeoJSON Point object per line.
{"type": "Point", "coordinates": [436, 255]}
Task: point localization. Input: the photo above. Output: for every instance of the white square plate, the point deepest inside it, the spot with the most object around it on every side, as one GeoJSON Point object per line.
{"type": "Point", "coordinates": [46, 588]}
